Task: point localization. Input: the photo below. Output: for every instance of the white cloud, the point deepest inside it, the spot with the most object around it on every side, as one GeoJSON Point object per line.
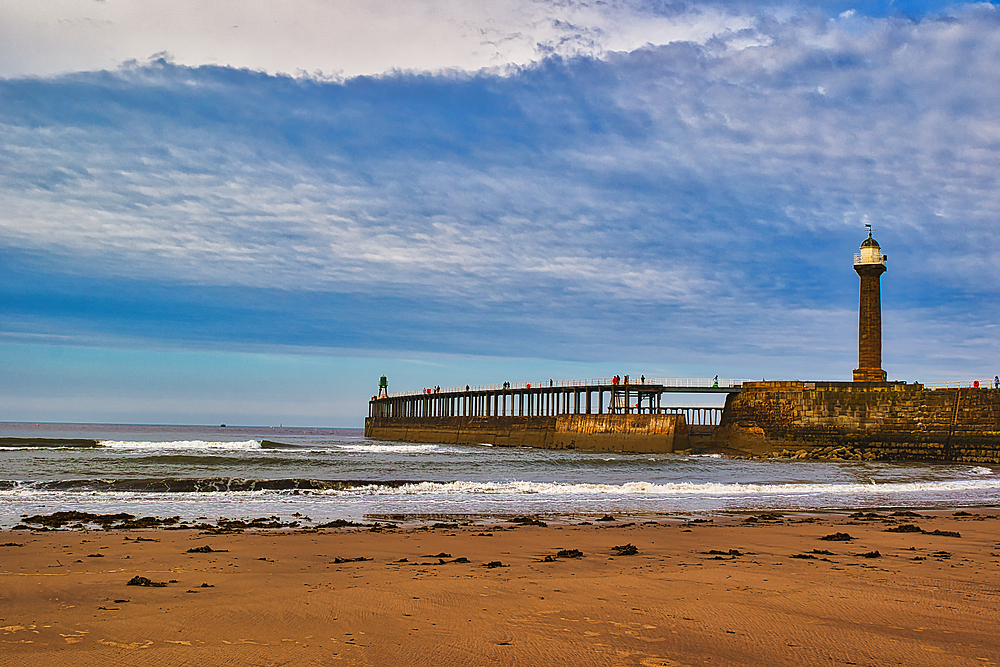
{"type": "Point", "coordinates": [338, 37]}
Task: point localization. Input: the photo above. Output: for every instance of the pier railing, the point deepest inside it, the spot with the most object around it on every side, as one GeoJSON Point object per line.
{"type": "Point", "coordinates": [667, 383]}
{"type": "Point", "coordinates": [960, 384]}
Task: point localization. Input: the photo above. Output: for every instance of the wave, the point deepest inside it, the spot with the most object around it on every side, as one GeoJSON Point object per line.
{"type": "Point", "coordinates": [687, 489]}
{"type": "Point", "coordinates": [274, 444]}
{"type": "Point", "coordinates": [212, 461]}
{"type": "Point", "coordinates": [180, 444]}
{"type": "Point", "coordinates": [510, 488]}
{"type": "Point", "coordinates": [47, 443]}
{"type": "Point", "coordinates": [395, 449]}
{"type": "Point", "coordinates": [195, 485]}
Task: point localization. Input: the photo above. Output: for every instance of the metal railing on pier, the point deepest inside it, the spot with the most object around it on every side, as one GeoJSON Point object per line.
{"type": "Point", "coordinates": [961, 384]}
{"type": "Point", "coordinates": [666, 383]}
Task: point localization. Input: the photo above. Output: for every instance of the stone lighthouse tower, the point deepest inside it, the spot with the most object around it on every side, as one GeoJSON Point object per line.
{"type": "Point", "coordinates": [870, 265]}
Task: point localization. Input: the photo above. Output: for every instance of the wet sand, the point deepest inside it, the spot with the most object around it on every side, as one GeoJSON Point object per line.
{"type": "Point", "coordinates": [280, 597]}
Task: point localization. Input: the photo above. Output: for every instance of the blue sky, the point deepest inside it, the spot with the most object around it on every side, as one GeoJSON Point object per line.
{"type": "Point", "coordinates": [247, 212]}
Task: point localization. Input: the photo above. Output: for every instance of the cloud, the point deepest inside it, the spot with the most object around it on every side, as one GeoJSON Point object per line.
{"type": "Point", "coordinates": [685, 200]}
{"type": "Point", "coordinates": [338, 37]}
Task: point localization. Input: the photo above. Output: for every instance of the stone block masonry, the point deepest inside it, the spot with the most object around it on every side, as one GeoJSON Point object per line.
{"type": "Point", "coordinates": [870, 325]}
{"type": "Point", "coordinates": [881, 420]}
{"type": "Point", "coordinates": [637, 433]}
{"type": "Point", "coordinates": [645, 434]}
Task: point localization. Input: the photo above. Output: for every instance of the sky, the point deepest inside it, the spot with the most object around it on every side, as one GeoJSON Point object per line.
{"type": "Point", "coordinates": [246, 212]}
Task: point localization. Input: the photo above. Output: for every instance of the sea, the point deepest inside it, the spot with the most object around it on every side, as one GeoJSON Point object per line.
{"type": "Point", "coordinates": [318, 475]}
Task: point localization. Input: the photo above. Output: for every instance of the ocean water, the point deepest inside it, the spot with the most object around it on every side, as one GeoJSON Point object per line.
{"type": "Point", "coordinates": [206, 472]}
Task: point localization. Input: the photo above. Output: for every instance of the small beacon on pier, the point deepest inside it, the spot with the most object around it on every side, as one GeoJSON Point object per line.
{"type": "Point", "coordinates": [870, 265]}
{"type": "Point", "coordinates": [383, 387]}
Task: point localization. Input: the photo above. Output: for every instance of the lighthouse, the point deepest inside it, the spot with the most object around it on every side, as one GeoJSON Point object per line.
{"type": "Point", "coordinates": [870, 265]}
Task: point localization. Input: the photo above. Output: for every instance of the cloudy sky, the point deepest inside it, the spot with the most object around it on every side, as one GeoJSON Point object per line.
{"type": "Point", "coordinates": [245, 212]}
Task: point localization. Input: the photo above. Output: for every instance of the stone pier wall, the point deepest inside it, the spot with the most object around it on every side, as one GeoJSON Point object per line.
{"type": "Point", "coordinates": [640, 434]}
{"type": "Point", "coordinates": [879, 420]}
{"type": "Point", "coordinates": [645, 434]}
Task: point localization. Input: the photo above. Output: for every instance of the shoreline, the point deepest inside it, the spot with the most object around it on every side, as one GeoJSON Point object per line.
{"type": "Point", "coordinates": [71, 520]}
{"type": "Point", "coordinates": [717, 588]}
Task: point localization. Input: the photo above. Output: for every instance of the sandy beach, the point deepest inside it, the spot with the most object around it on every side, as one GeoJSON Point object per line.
{"type": "Point", "coordinates": [722, 590]}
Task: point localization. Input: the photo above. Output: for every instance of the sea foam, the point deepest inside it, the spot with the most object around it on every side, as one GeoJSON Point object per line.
{"type": "Point", "coordinates": [181, 445]}
{"type": "Point", "coordinates": [395, 449]}
{"type": "Point", "coordinates": [687, 489]}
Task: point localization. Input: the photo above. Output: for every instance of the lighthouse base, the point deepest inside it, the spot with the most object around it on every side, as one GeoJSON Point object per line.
{"type": "Point", "coordinates": [869, 375]}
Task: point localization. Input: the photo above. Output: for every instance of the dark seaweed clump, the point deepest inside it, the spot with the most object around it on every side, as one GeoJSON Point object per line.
{"type": "Point", "coordinates": [625, 550]}
{"type": "Point", "coordinates": [838, 537]}
{"type": "Point", "coordinates": [106, 521]}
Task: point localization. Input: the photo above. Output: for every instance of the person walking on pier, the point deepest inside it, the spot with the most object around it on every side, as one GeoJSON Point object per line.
{"type": "Point", "coordinates": [996, 381]}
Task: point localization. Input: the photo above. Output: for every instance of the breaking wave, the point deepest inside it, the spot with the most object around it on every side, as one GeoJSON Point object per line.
{"type": "Point", "coordinates": [686, 489]}
{"type": "Point", "coordinates": [181, 444]}
{"type": "Point", "coordinates": [511, 488]}
{"type": "Point", "coordinates": [401, 448]}
{"type": "Point", "coordinates": [192, 485]}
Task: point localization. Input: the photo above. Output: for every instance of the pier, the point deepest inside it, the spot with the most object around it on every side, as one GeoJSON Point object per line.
{"type": "Point", "coordinates": [552, 398]}
{"type": "Point", "coordinates": [957, 421]}
{"type": "Point", "coordinates": [605, 414]}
